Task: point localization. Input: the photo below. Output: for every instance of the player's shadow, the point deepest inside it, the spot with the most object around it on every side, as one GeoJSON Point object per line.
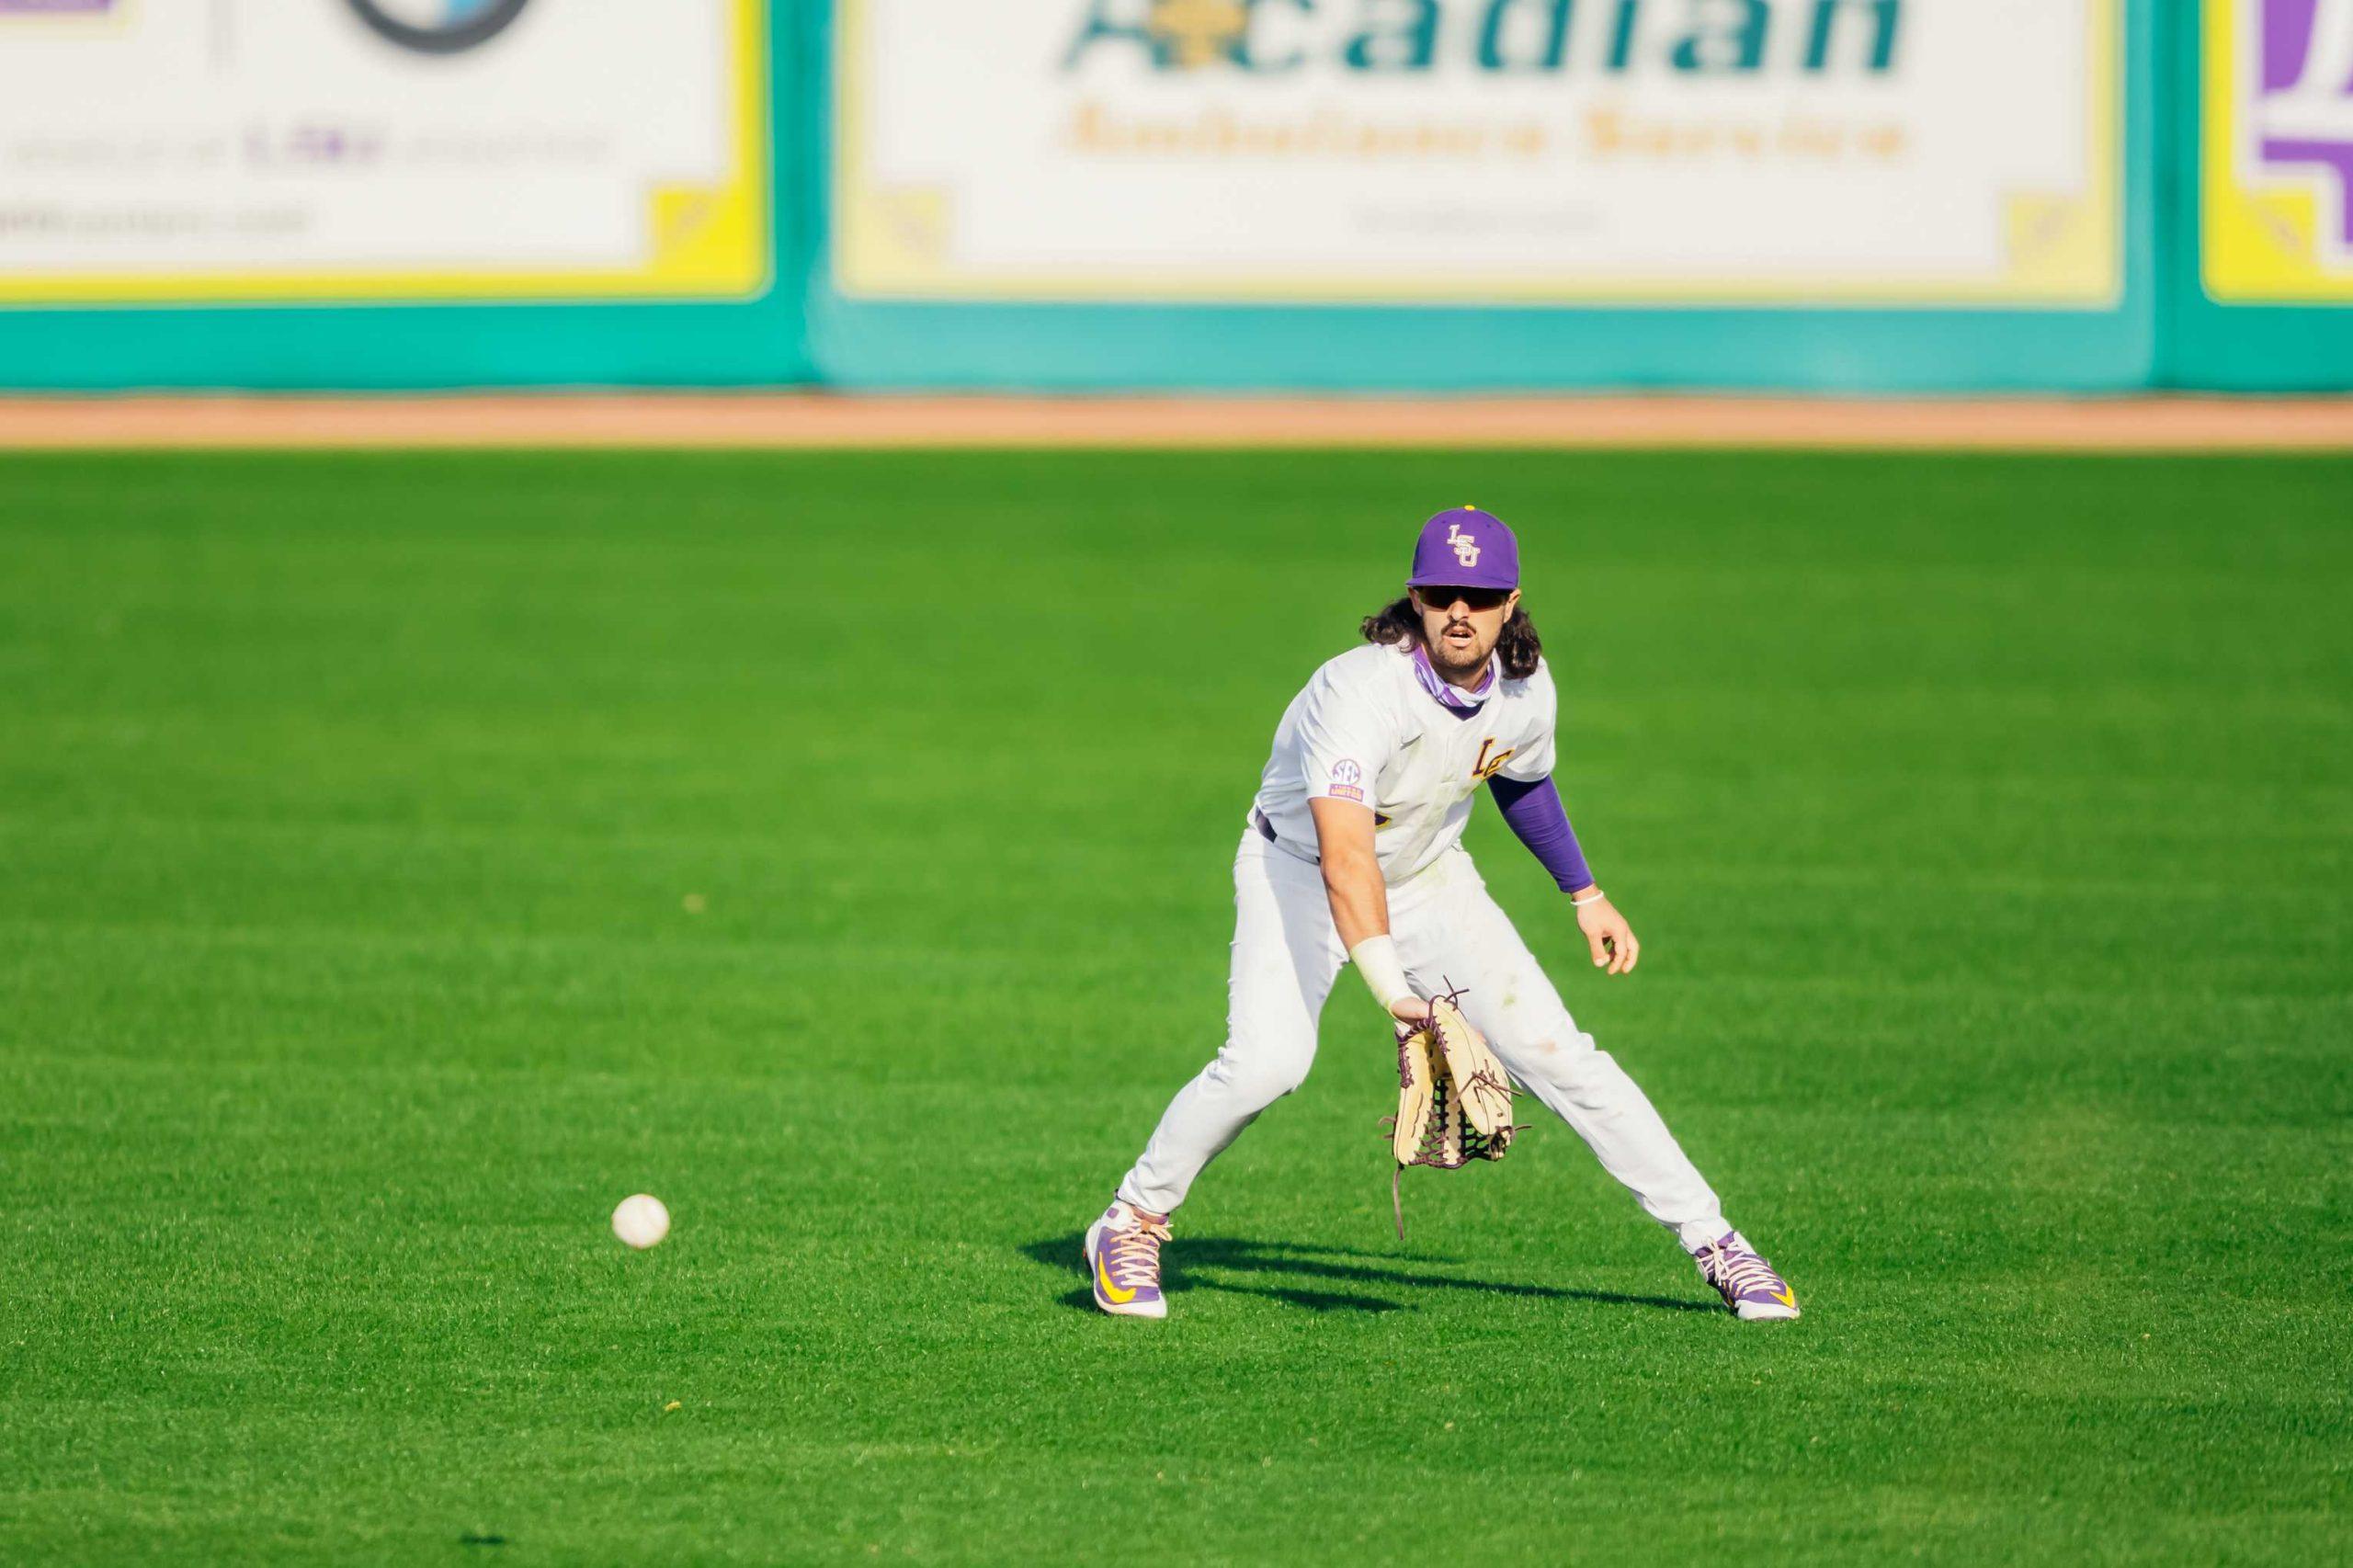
{"type": "Point", "coordinates": [1338, 1267]}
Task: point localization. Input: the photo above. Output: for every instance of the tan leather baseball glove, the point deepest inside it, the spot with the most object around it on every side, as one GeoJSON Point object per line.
{"type": "Point", "coordinates": [1453, 1099]}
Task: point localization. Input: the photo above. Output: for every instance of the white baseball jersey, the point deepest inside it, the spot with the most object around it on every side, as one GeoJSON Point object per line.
{"type": "Point", "coordinates": [1365, 730]}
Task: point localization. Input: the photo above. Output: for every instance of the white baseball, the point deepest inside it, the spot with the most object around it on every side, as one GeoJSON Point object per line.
{"type": "Point", "coordinates": [640, 1221]}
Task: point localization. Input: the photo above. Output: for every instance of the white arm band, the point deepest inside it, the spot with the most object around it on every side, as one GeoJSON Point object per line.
{"type": "Point", "coordinates": [1376, 958]}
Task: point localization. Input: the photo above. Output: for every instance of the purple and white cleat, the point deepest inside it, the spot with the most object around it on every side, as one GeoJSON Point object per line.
{"type": "Point", "coordinates": [1747, 1281]}
{"type": "Point", "coordinates": [1123, 1257]}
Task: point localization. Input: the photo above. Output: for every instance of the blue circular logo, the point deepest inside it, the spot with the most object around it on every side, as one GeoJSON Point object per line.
{"type": "Point", "coordinates": [438, 27]}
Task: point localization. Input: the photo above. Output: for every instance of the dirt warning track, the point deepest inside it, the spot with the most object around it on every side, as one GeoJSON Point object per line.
{"type": "Point", "coordinates": [825, 420]}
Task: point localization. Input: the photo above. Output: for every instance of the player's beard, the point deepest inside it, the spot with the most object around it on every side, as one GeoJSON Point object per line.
{"type": "Point", "coordinates": [1468, 659]}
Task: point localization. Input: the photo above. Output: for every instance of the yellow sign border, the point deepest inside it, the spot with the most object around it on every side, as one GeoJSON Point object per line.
{"type": "Point", "coordinates": [2067, 250]}
{"type": "Point", "coordinates": [2259, 240]}
{"type": "Point", "coordinates": [711, 241]}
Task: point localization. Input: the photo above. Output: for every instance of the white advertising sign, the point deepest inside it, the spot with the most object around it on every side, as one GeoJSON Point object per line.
{"type": "Point", "coordinates": [1666, 151]}
{"type": "Point", "coordinates": [162, 150]}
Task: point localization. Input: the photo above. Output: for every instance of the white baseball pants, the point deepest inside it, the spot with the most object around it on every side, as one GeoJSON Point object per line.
{"type": "Point", "coordinates": [1287, 954]}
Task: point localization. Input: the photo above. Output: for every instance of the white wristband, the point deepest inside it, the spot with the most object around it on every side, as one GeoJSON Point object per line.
{"type": "Point", "coordinates": [1580, 903]}
{"type": "Point", "coordinates": [1376, 958]}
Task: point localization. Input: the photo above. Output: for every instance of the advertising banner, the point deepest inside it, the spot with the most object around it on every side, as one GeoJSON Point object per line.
{"type": "Point", "coordinates": [285, 150]}
{"type": "Point", "coordinates": [2278, 160]}
{"type": "Point", "coordinates": [1778, 153]}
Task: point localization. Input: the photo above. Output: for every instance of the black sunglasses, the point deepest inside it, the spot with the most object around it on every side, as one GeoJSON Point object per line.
{"type": "Point", "coordinates": [1476, 599]}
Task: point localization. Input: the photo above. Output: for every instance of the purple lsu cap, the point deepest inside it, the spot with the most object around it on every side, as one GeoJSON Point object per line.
{"type": "Point", "coordinates": [1466, 548]}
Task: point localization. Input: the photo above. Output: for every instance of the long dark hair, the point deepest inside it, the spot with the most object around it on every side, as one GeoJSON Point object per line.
{"type": "Point", "coordinates": [1516, 645]}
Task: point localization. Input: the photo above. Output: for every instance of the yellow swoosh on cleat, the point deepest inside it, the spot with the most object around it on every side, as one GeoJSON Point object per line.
{"type": "Point", "coordinates": [1107, 1290]}
{"type": "Point", "coordinates": [1786, 1296]}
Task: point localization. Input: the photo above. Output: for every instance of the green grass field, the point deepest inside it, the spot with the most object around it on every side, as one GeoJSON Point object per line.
{"type": "Point", "coordinates": [406, 858]}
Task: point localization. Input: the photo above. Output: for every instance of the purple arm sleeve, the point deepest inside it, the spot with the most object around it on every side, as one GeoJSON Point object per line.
{"type": "Point", "coordinates": [1541, 823]}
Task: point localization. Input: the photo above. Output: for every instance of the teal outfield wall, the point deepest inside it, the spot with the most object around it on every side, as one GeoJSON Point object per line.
{"type": "Point", "coordinates": [2162, 331]}
{"type": "Point", "coordinates": [870, 343]}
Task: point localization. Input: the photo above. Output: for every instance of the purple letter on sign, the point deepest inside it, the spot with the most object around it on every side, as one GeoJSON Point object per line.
{"type": "Point", "coordinates": [2305, 110]}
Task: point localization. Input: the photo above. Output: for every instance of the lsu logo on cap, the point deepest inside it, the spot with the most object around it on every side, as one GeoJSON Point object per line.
{"type": "Point", "coordinates": [1466, 548]}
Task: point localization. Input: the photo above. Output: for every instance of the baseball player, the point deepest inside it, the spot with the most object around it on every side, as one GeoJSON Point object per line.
{"type": "Point", "coordinates": [1353, 854]}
